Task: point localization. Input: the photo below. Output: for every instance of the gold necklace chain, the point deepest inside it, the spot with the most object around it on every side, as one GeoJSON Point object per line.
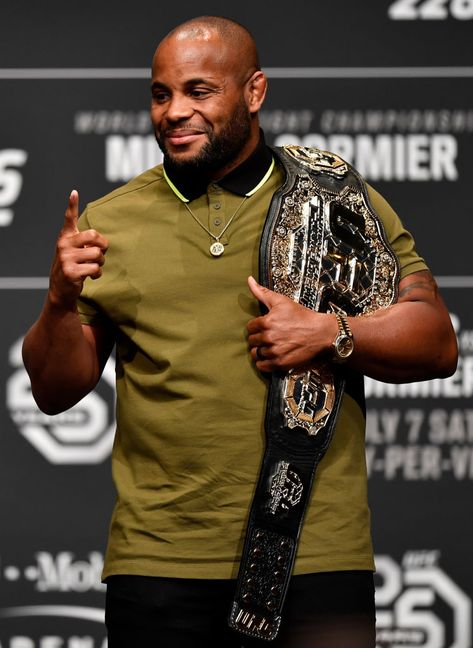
{"type": "Point", "coordinates": [216, 248]}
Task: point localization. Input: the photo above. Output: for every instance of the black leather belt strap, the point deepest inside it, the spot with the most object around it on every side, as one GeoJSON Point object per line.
{"type": "Point", "coordinates": [323, 246]}
{"type": "Point", "coordinates": [276, 517]}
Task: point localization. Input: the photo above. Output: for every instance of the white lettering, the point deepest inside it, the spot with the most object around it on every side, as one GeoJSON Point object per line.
{"type": "Point", "coordinates": [431, 10]}
{"type": "Point", "coordinates": [451, 427]}
{"type": "Point", "coordinates": [425, 558]}
{"type": "Point", "coordinates": [417, 157]}
{"type": "Point", "coordinates": [126, 157]}
{"type": "Point", "coordinates": [80, 642]}
{"type": "Point", "coordinates": [462, 9]}
{"type": "Point", "coordinates": [391, 580]}
{"type": "Point", "coordinates": [465, 341]}
{"type": "Point", "coordinates": [414, 419]}
{"type": "Point", "coordinates": [62, 574]}
{"type": "Point", "coordinates": [381, 426]}
{"type": "Point", "coordinates": [448, 591]}
{"type": "Point", "coordinates": [370, 459]}
{"type": "Point", "coordinates": [102, 122]}
{"type": "Point", "coordinates": [413, 462]}
{"type": "Point", "coordinates": [444, 150]}
{"type": "Point", "coordinates": [11, 182]}
{"type": "Point", "coordinates": [403, 10]}
{"type": "Point", "coordinates": [467, 374]}
{"type": "Point", "coordinates": [405, 600]}
{"type": "Point", "coordinates": [462, 462]}
{"type": "Point", "coordinates": [21, 642]}
{"type": "Point", "coordinates": [407, 613]}
{"type": "Point", "coordinates": [399, 153]}
{"type": "Point", "coordinates": [51, 642]}
{"type": "Point", "coordinates": [397, 121]}
{"type": "Point", "coordinates": [280, 121]}
{"type": "Point", "coordinates": [374, 156]}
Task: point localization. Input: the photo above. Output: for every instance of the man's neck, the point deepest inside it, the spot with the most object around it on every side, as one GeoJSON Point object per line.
{"type": "Point", "coordinates": [240, 179]}
{"type": "Point", "coordinates": [244, 154]}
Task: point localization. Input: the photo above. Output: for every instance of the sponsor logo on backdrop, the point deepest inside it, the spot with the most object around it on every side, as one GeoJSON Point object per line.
{"type": "Point", "coordinates": [431, 9]}
{"type": "Point", "coordinates": [61, 572]}
{"type": "Point", "coordinates": [39, 640]}
{"type": "Point", "coordinates": [423, 431]}
{"type": "Point", "coordinates": [81, 435]}
{"type": "Point", "coordinates": [23, 626]}
{"type": "Point", "coordinates": [11, 182]}
{"type": "Point", "coordinates": [418, 604]}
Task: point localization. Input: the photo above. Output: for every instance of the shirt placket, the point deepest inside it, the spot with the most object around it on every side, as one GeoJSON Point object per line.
{"type": "Point", "coordinates": [217, 216]}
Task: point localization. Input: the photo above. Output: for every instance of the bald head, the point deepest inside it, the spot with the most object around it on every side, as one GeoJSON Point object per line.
{"type": "Point", "coordinates": [237, 46]}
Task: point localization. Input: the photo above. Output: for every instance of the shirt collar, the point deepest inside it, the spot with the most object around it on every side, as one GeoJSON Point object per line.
{"type": "Point", "coordinates": [245, 180]}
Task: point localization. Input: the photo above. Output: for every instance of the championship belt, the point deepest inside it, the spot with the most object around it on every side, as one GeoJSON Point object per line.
{"type": "Point", "coordinates": [323, 246]}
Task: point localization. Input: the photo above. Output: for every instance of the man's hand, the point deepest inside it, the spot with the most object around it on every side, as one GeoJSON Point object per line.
{"type": "Point", "coordinates": [412, 339]}
{"type": "Point", "coordinates": [289, 335]}
{"type": "Point", "coordinates": [78, 255]}
{"type": "Point", "coordinates": [64, 358]}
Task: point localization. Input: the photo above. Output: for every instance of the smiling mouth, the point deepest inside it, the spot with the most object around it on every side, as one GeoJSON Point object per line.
{"type": "Point", "coordinates": [183, 136]}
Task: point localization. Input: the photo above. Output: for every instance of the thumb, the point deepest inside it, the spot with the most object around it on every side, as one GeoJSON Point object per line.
{"type": "Point", "coordinates": [267, 297]}
{"type": "Point", "coordinates": [72, 214]}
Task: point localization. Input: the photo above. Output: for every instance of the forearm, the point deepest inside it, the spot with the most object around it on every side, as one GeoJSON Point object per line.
{"type": "Point", "coordinates": [64, 360]}
{"type": "Point", "coordinates": [407, 342]}
{"type": "Point", "coordinates": [411, 340]}
{"type": "Point", "coordinates": [59, 359]}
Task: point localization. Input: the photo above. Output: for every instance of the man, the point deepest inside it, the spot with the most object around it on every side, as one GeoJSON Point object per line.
{"type": "Point", "coordinates": [193, 356]}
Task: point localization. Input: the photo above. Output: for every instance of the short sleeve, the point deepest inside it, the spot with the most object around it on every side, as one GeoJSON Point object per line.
{"type": "Point", "coordinates": [401, 240]}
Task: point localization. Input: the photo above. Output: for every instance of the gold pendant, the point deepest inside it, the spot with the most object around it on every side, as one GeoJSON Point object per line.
{"type": "Point", "coordinates": [216, 249]}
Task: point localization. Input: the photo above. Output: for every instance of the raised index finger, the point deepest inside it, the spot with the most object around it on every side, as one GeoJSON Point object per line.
{"type": "Point", "coordinates": [72, 214]}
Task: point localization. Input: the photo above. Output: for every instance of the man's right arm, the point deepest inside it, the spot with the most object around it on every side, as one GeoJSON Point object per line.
{"type": "Point", "coordinates": [64, 358]}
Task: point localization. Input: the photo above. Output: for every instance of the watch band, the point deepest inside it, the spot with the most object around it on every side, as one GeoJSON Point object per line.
{"type": "Point", "coordinates": [343, 344]}
{"type": "Point", "coordinates": [343, 325]}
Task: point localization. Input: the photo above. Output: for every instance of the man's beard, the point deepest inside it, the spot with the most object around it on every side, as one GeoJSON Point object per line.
{"type": "Point", "coordinates": [219, 151]}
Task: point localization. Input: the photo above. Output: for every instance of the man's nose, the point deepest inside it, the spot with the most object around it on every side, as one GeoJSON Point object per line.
{"type": "Point", "coordinates": [179, 107]}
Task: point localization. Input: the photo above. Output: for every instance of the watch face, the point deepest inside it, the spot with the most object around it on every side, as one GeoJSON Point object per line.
{"type": "Point", "coordinates": [344, 346]}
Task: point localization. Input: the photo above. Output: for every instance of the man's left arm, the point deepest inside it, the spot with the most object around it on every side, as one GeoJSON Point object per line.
{"type": "Point", "coordinates": [411, 340]}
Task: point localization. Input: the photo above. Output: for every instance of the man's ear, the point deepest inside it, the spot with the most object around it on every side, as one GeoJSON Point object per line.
{"type": "Point", "coordinates": [256, 91]}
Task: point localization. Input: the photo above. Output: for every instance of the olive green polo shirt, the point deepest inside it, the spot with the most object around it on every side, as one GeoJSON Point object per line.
{"type": "Point", "coordinates": [190, 402]}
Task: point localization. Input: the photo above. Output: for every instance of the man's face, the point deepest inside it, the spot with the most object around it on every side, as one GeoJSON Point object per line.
{"type": "Point", "coordinates": [198, 108]}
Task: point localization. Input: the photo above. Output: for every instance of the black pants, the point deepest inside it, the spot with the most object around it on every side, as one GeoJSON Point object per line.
{"type": "Point", "coordinates": [327, 610]}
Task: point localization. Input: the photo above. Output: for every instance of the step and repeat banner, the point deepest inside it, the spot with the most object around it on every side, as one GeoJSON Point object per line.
{"type": "Point", "coordinates": [389, 87]}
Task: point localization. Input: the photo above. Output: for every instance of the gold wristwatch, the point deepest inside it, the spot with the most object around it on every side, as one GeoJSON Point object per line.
{"type": "Point", "coordinates": [343, 344]}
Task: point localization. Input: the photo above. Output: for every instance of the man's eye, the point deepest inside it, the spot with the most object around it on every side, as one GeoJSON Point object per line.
{"type": "Point", "coordinates": [160, 97]}
{"type": "Point", "coordinates": [199, 93]}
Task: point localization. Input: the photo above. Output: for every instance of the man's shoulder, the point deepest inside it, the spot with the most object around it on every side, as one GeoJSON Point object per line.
{"type": "Point", "coordinates": [148, 181]}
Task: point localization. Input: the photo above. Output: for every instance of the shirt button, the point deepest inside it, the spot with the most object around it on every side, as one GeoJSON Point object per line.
{"type": "Point", "coordinates": [217, 222]}
{"type": "Point", "coordinates": [217, 205]}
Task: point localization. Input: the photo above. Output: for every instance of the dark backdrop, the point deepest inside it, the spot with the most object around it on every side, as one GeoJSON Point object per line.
{"type": "Point", "coordinates": [388, 85]}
